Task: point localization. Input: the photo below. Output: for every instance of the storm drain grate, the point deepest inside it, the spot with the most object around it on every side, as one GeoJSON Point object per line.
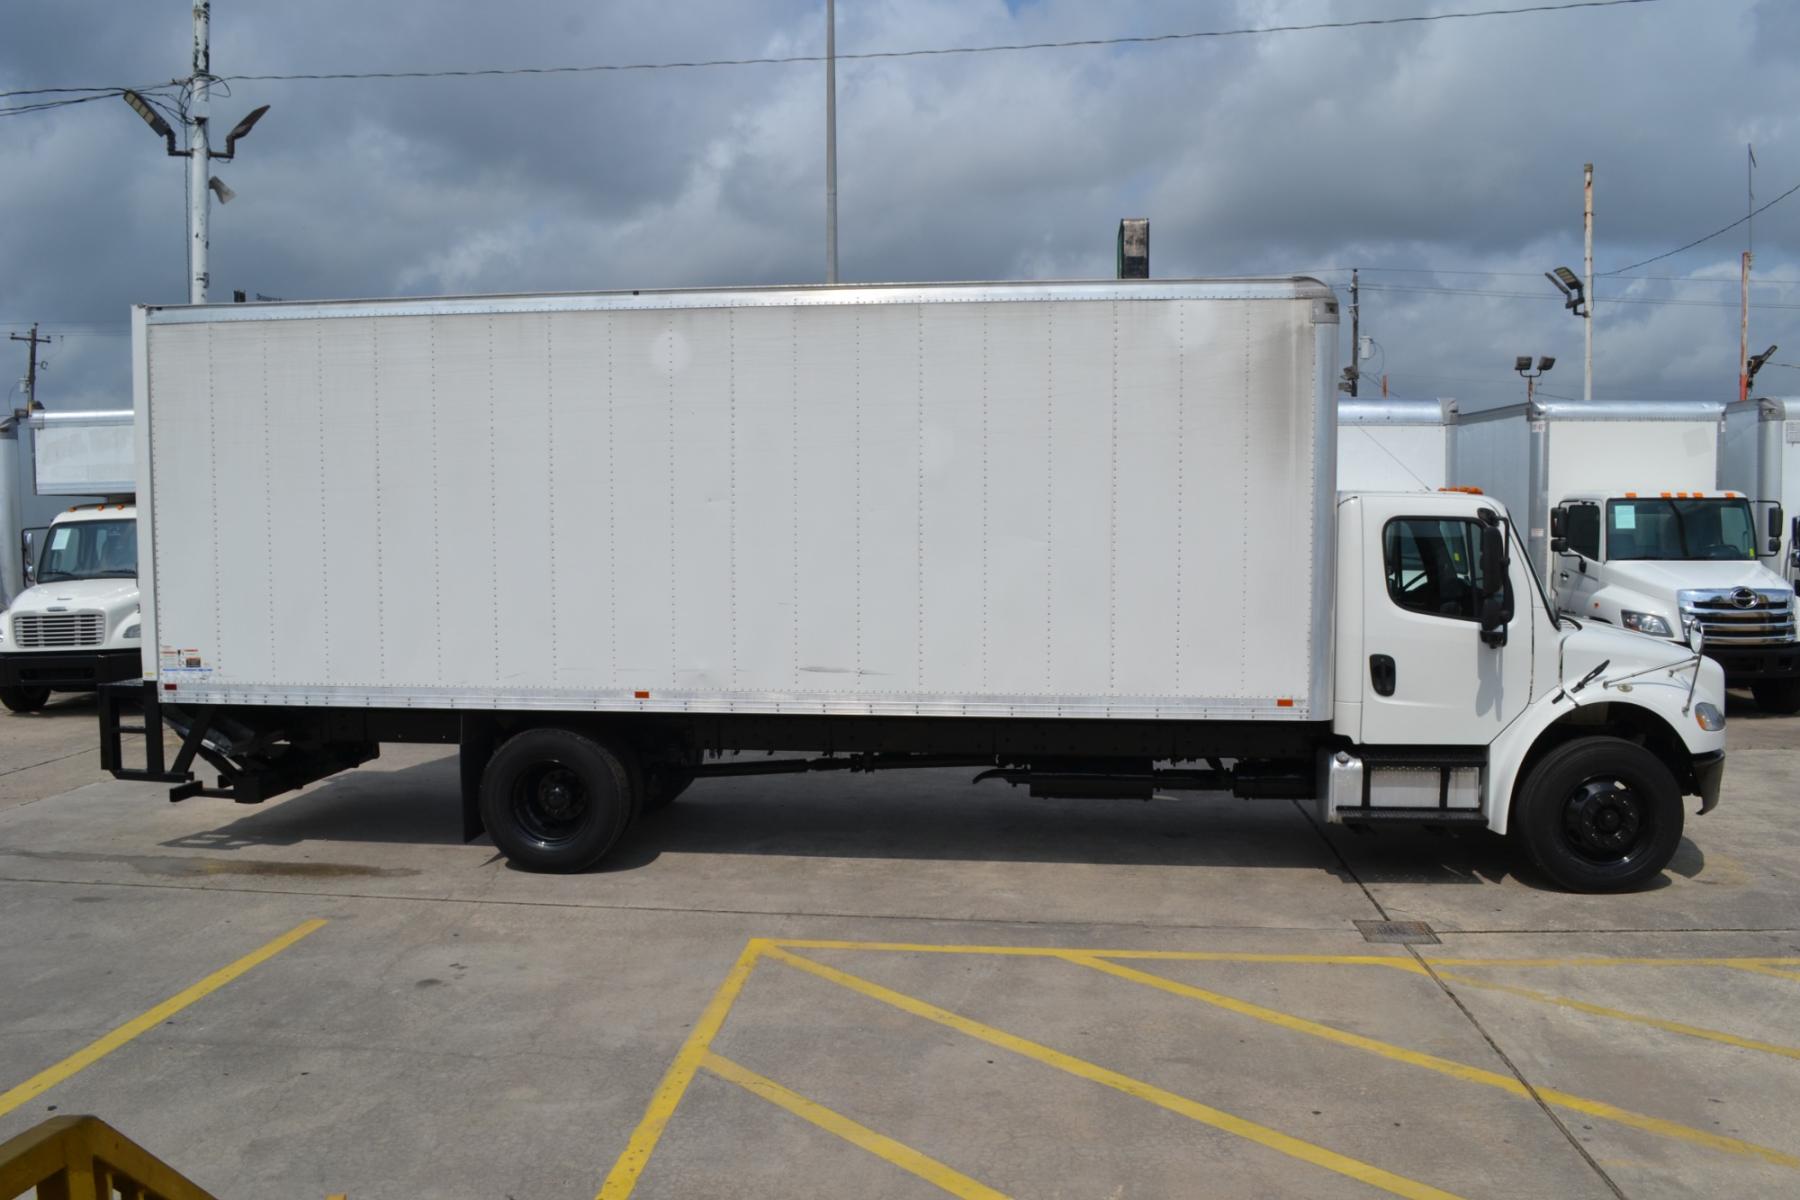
{"type": "Point", "coordinates": [1403, 933]}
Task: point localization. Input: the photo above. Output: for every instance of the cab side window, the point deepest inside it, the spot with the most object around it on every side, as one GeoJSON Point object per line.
{"type": "Point", "coordinates": [1583, 525]}
{"type": "Point", "coordinates": [1434, 566]}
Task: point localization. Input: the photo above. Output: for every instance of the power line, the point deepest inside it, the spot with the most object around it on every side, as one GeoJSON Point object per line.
{"type": "Point", "coordinates": [1679, 279]}
{"type": "Point", "coordinates": [1709, 237]}
{"type": "Point", "coordinates": [939, 51]}
{"type": "Point", "coordinates": [1539, 296]}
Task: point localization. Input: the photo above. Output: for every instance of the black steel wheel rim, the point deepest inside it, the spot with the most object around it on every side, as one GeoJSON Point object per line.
{"type": "Point", "coordinates": [551, 803]}
{"type": "Point", "coordinates": [1606, 821]}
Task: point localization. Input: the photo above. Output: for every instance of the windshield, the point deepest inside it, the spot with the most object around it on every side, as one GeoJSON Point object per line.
{"type": "Point", "coordinates": [1679, 529]}
{"type": "Point", "coordinates": [89, 550]}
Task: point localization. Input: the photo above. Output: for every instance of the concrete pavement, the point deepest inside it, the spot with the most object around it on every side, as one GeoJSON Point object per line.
{"type": "Point", "coordinates": [889, 986]}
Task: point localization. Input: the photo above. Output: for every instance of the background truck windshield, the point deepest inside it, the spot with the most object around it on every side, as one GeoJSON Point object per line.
{"type": "Point", "coordinates": [1679, 529]}
{"type": "Point", "coordinates": [89, 550]}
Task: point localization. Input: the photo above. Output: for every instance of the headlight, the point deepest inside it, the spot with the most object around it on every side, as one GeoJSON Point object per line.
{"type": "Point", "coordinates": [133, 630]}
{"type": "Point", "coordinates": [1648, 623]}
{"type": "Point", "coordinates": [1709, 716]}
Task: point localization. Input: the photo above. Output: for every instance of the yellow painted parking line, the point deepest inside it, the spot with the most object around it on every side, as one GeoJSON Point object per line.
{"type": "Point", "coordinates": [900, 1155]}
{"type": "Point", "coordinates": [1443, 1066]}
{"type": "Point", "coordinates": [1273, 1139]}
{"type": "Point", "coordinates": [624, 1175]}
{"type": "Point", "coordinates": [1398, 962]}
{"type": "Point", "coordinates": [1759, 969]}
{"type": "Point", "coordinates": [1696, 1031]}
{"type": "Point", "coordinates": [1745, 963]}
{"type": "Point", "coordinates": [98, 1049]}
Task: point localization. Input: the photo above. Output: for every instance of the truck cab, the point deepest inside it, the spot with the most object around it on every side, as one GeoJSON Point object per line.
{"type": "Point", "coordinates": [1661, 562]}
{"type": "Point", "coordinates": [77, 626]}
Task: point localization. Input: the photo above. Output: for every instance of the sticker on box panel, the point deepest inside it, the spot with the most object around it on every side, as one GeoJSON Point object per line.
{"type": "Point", "coordinates": [183, 662]}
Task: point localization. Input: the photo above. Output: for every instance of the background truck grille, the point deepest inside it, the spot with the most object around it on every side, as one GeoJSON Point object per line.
{"type": "Point", "coordinates": [1741, 616]}
{"type": "Point", "coordinates": [42, 631]}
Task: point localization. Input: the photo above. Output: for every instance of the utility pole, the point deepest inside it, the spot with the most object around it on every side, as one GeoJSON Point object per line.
{"type": "Point", "coordinates": [1587, 232]}
{"type": "Point", "coordinates": [1744, 331]}
{"type": "Point", "coordinates": [831, 261]}
{"type": "Point", "coordinates": [33, 341]}
{"type": "Point", "coordinates": [12, 570]}
{"type": "Point", "coordinates": [1354, 370]}
{"type": "Point", "coordinates": [199, 98]}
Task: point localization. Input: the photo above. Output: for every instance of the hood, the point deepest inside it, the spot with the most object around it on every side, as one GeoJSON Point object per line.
{"type": "Point", "coordinates": [1627, 653]}
{"type": "Point", "coordinates": [106, 595]}
{"type": "Point", "coordinates": [1670, 577]}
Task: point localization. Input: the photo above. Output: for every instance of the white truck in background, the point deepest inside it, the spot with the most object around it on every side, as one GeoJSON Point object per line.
{"type": "Point", "coordinates": [1393, 445]}
{"type": "Point", "coordinates": [1627, 522]}
{"type": "Point", "coordinates": [75, 627]}
{"type": "Point", "coordinates": [1081, 537]}
{"type": "Point", "coordinates": [1759, 456]}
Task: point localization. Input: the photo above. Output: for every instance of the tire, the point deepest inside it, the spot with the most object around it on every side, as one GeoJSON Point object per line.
{"type": "Point", "coordinates": [24, 699]}
{"type": "Point", "coordinates": [1780, 696]}
{"type": "Point", "coordinates": [555, 800]}
{"type": "Point", "coordinates": [1599, 814]}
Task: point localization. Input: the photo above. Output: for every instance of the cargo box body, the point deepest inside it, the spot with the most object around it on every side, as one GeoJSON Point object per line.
{"type": "Point", "coordinates": [1063, 500]}
{"type": "Point", "coordinates": [1393, 445]}
{"type": "Point", "coordinates": [1533, 460]}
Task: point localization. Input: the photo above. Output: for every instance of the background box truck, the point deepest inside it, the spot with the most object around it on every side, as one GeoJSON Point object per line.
{"type": "Point", "coordinates": [1759, 456]}
{"type": "Point", "coordinates": [1082, 537]}
{"type": "Point", "coordinates": [1393, 445]}
{"type": "Point", "coordinates": [1623, 521]}
{"type": "Point", "coordinates": [76, 627]}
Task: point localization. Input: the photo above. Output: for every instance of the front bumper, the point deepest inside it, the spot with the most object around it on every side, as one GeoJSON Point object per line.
{"type": "Point", "coordinates": [69, 670]}
{"type": "Point", "coordinates": [1709, 773]}
{"type": "Point", "coordinates": [1745, 663]}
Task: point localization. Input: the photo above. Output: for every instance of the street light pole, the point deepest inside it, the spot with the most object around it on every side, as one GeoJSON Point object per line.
{"type": "Point", "coordinates": [199, 156]}
{"type": "Point", "coordinates": [831, 257]}
{"type": "Point", "coordinates": [1587, 228]}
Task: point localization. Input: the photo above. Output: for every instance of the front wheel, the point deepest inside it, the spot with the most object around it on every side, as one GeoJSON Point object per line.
{"type": "Point", "coordinates": [1780, 696]}
{"type": "Point", "coordinates": [1599, 815]}
{"type": "Point", "coordinates": [24, 699]}
{"type": "Point", "coordinates": [555, 800]}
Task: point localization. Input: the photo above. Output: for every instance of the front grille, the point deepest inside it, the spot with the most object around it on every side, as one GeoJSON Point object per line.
{"type": "Point", "coordinates": [45, 631]}
{"type": "Point", "coordinates": [1740, 616]}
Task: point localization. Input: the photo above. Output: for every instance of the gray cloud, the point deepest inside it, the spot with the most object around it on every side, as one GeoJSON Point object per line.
{"type": "Point", "coordinates": [1453, 145]}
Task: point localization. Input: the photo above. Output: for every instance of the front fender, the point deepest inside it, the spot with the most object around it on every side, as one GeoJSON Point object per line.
{"type": "Point", "coordinates": [1649, 708]}
{"type": "Point", "coordinates": [1609, 601]}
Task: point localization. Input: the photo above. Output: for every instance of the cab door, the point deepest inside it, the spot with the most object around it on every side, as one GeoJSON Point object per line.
{"type": "Point", "coordinates": [1430, 678]}
{"type": "Point", "coordinates": [1575, 576]}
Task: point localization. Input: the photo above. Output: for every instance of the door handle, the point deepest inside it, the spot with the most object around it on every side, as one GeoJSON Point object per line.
{"type": "Point", "coordinates": [1382, 675]}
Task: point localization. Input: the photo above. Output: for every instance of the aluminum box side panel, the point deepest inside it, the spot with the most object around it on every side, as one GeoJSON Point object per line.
{"type": "Point", "coordinates": [1031, 507]}
{"type": "Point", "coordinates": [1633, 456]}
{"type": "Point", "coordinates": [1392, 458]}
{"type": "Point", "coordinates": [1494, 454]}
{"type": "Point", "coordinates": [84, 454]}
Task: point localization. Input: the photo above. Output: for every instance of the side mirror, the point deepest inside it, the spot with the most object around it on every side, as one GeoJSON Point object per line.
{"type": "Point", "coordinates": [1775, 528]}
{"type": "Point", "coordinates": [26, 542]}
{"type": "Point", "coordinates": [1696, 636]}
{"type": "Point", "coordinates": [1559, 531]}
{"type": "Point", "coordinates": [1495, 612]}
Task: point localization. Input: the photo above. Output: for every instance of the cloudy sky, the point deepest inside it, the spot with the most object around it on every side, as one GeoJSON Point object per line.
{"type": "Point", "coordinates": [1443, 158]}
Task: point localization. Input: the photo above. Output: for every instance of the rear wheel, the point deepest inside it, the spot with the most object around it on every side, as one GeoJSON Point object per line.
{"type": "Point", "coordinates": [555, 800]}
{"type": "Point", "coordinates": [24, 699]}
{"type": "Point", "coordinates": [1599, 815]}
{"type": "Point", "coordinates": [1777, 695]}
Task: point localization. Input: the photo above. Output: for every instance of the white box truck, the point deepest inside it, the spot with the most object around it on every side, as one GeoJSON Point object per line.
{"type": "Point", "coordinates": [1083, 537]}
{"type": "Point", "coordinates": [1759, 456]}
{"type": "Point", "coordinates": [76, 627]}
{"type": "Point", "coordinates": [1624, 517]}
{"type": "Point", "coordinates": [1393, 445]}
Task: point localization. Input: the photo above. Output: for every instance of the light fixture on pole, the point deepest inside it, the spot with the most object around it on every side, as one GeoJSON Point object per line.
{"type": "Point", "coordinates": [1755, 363]}
{"type": "Point", "coordinates": [1522, 364]}
{"type": "Point", "coordinates": [1573, 290]}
